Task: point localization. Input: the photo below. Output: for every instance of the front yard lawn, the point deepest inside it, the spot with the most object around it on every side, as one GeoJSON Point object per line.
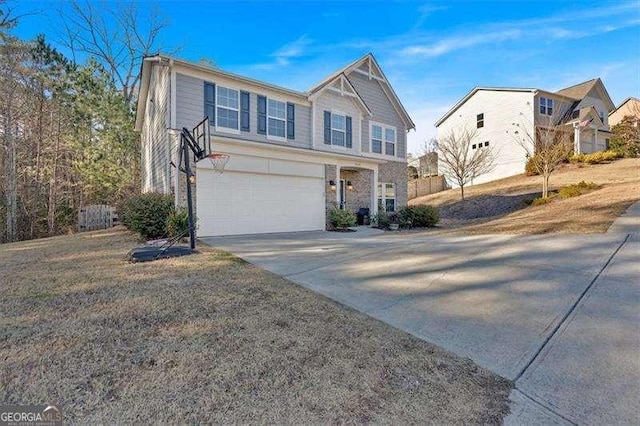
{"type": "Point", "coordinates": [210, 338]}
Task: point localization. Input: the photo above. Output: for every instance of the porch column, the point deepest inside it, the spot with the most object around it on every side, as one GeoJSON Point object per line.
{"type": "Point", "coordinates": [595, 138]}
{"type": "Point", "coordinates": [338, 185]}
{"type": "Point", "coordinates": [576, 139]}
{"type": "Point", "coordinates": [374, 191]}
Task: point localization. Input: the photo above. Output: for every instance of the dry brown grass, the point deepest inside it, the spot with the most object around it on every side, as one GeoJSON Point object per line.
{"type": "Point", "coordinates": [210, 338]}
{"type": "Point", "coordinates": [592, 212]}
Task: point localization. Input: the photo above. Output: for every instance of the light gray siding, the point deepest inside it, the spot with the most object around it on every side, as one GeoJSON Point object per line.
{"type": "Point", "coordinates": [382, 110]}
{"type": "Point", "coordinates": [155, 143]}
{"type": "Point", "coordinates": [333, 102]}
{"type": "Point", "coordinates": [190, 111]}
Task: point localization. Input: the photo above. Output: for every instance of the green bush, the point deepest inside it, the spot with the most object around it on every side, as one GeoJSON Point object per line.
{"type": "Point", "coordinates": [588, 185]}
{"type": "Point", "coordinates": [418, 216]}
{"type": "Point", "coordinates": [380, 220]}
{"type": "Point", "coordinates": [540, 201]}
{"type": "Point", "coordinates": [596, 157]}
{"type": "Point", "coordinates": [147, 214]}
{"type": "Point", "coordinates": [178, 223]}
{"type": "Point", "coordinates": [576, 189]}
{"type": "Point", "coordinates": [341, 219]}
{"type": "Point", "coordinates": [569, 191]}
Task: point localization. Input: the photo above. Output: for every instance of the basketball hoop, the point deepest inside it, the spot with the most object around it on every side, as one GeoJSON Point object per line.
{"type": "Point", "coordinates": [218, 161]}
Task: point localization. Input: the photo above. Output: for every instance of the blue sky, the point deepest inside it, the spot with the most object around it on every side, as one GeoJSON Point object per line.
{"type": "Point", "coordinates": [432, 52]}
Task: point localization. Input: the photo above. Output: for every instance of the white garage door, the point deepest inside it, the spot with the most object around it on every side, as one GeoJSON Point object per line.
{"type": "Point", "coordinates": [235, 203]}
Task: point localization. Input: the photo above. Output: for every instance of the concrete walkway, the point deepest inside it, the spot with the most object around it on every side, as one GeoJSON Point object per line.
{"type": "Point", "coordinates": [557, 314]}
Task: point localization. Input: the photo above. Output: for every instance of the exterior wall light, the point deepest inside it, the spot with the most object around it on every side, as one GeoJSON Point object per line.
{"type": "Point", "coordinates": [349, 185]}
{"type": "Point", "coordinates": [192, 179]}
{"type": "Point", "coordinates": [332, 185]}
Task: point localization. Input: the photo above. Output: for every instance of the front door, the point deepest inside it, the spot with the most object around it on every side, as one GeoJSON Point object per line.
{"type": "Point", "coordinates": [343, 193]}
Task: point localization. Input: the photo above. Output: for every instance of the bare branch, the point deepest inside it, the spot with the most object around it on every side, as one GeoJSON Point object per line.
{"type": "Point", "coordinates": [460, 161]}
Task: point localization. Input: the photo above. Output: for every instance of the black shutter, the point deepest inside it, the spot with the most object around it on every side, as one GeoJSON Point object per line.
{"type": "Point", "coordinates": [349, 132]}
{"type": "Point", "coordinates": [291, 117]}
{"type": "Point", "coordinates": [244, 112]}
{"type": "Point", "coordinates": [210, 102]}
{"type": "Point", "coordinates": [262, 115]}
{"type": "Point", "coordinates": [327, 127]}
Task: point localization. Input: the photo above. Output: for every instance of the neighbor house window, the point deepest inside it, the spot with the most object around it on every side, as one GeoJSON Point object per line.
{"type": "Point", "coordinates": [338, 129]}
{"type": "Point", "coordinates": [480, 120]}
{"type": "Point", "coordinates": [227, 107]}
{"type": "Point", "coordinates": [546, 106]}
{"type": "Point", "coordinates": [383, 138]}
{"type": "Point", "coordinates": [387, 196]}
{"type": "Point", "coordinates": [276, 118]}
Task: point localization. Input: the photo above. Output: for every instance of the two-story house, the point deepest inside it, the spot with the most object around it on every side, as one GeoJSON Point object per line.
{"type": "Point", "coordinates": [293, 155]}
{"type": "Point", "coordinates": [495, 113]}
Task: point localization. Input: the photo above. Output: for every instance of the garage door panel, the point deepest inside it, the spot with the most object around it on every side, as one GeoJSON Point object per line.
{"type": "Point", "coordinates": [246, 203]}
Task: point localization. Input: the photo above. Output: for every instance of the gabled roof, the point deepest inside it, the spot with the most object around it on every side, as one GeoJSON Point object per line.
{"type": "Point", "coordinates": [476, 90]}
{"type": "Point", "coordinates": [341, 85]}
{"type": "Point", "coordinates": [581, 90]}
{"type": "Point", "coordinates": [585, 113]}
{"type": "Point", "coordinates": [374, 71]}
{"type": "Point", "coordinates": [630, 98]}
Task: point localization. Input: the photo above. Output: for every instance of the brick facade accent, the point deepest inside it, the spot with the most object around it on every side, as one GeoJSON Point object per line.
{"type": "Point", "coordinates": [395, 172]}
{"type": "Point", "coordinates": [360, 195]}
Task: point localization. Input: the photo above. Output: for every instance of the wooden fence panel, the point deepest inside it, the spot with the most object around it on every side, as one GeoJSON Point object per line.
{"type": "Point", "coordinates": [425, 186]}
{"type": "Point", "coordinates": [96, 216]}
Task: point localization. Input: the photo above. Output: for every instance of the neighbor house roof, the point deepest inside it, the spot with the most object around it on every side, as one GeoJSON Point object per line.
{"type": "Point", "coordinates": [581, 90]}
{"type": "Point", "coordinates": [574, 93]}
{"type": "Point", "coordinates": [630, 98]}
{"type": "Point", "coordinates": [476, 90]}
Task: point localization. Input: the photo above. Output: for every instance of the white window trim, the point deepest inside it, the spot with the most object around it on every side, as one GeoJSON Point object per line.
{"type": "Point", "coordinates": [274, 137]}
{"type": "Point", "coordinates": [335, 112]}
{"type": "Point", "coordinates": [546, 106]}
{"type": "Point", "coordinates": [223, 129]}
{"type": "Point", "coordinates": [382, 197]}
{"type": "Point", "coordinates": [383, 148]}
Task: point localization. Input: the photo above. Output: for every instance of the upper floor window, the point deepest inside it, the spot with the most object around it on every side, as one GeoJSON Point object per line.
{"type": "Point", "coordinates": [383, 137]}
{"type": "Point", "coordinates": [276, 118]}
{"type": "Point", "coordinates": [546, 106]}
{"type": "Point", "coordinates": [227, 107]}
{"type": "Point", "coordinates": [376, 139]}
{"type": "Point", "coordinates": [338, 129]}
{"type": "Point", "coordinates": [390, 141]}
{"type": "Point", "coordinates": [480, 120]}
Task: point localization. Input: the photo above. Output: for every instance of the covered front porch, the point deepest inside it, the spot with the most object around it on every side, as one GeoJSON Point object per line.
{"type": "Point", "coordinates": [352, 188]}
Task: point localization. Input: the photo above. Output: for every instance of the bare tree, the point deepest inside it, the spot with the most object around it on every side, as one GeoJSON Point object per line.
{"type": "Point", "coordinates": [547, 145]}
{"type": "Point", "coordinates": [460, 160]}
{"type": "Point", "coordinates": [116, 35]}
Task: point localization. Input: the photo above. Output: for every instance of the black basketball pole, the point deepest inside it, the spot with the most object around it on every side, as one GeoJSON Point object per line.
{"type": "Point", "coordinates": [187, 169]}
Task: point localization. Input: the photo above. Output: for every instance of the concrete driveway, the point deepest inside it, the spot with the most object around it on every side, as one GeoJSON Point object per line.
{"type": "Point", "coordinates": [557, 314]}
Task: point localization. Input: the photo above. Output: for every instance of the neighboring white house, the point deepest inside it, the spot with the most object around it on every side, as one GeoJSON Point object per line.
{"type": "Point", "coordinates": [498, 112]}
{"type": "Point", "coordinates": [294, 155]}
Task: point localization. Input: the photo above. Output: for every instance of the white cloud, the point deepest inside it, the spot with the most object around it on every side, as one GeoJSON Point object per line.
{"type": "Point", "coordinates": [451, 44]}
{"type": "Point", "coordinates": [283, 56]}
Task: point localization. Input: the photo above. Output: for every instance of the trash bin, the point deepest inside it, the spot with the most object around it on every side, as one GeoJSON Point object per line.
{"type": "Point", "coordinates": [363, 216]}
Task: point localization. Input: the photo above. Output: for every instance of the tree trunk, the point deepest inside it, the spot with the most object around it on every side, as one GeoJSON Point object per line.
{"type": "Point", "coordinates": [51, 213]}
{"type": "Point", "coordinates": [11, 176]}
{"type": "Point", "coordinates": [462, 192]}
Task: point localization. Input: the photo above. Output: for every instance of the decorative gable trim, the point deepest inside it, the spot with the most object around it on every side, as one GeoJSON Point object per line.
{"type": "Point", "coordinates": [368, 66]}
{"type": "Point", "coordinates": [342, 86]}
